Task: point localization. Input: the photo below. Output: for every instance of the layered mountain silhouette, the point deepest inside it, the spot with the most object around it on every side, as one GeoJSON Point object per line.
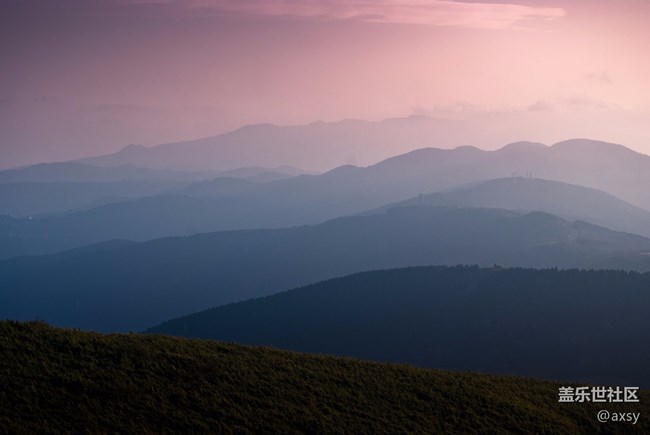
{"type": "Point", "coordinates": [530, 194]}
{"type": "Point", "coordinates": [79, 172]}
{"type": "Point", "coordinates": [226, 204]}
{"type": "Point", "coordinates": [542, 323]}
{"type": "Point", "coordinates": [321, 146]}
{"type": "Point", "coordinates": [57, 188]}
{"type": "Point", "coordinates": [609, 167]}
{"type": "Point", "coordinates": [38, 199]}
{"type": "Point", "coordinates": [318, 146]}
{"type": "Point", "coordinates": [131, 286]}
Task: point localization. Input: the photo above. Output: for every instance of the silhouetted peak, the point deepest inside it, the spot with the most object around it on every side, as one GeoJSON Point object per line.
{"type": "Point", "coordinates": [588, 145]}
{"type": "Point", "coordinates": [133, 147]}
{"type": "Point", "coordinates": [261, 127]}
{"type": "Point", "coordinates": [343, 170]}
{"type": "Point", "coordinates": [414, 155]}
{"type": "Point", "coordinates": [468, 148]}
{"type": "Point", "coordinates": [523, 146]}
{"type": "Point", "coordinates": [542, 217]}
{"type": "Point", "coordinates": [420, 119]}
{"type": "Point", "coordinates": [227, 181]}
{"type": "Point", "coordinates": [411, 118]}
{"type": "Point", "coordinates": [290, 170]}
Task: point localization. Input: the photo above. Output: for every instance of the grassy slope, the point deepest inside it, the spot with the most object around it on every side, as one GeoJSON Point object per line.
{"type": "Point", "coordinates": [64, 380]}
{"type": "Point", "coordinates": [547, 324]}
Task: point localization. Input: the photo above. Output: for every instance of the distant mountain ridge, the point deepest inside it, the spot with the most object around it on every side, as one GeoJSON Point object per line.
{"type": "Point", "coordinates": [568, 201]}
{"type": "Point", "coordinates": [126, 286]}
{"type": "Point", "coordinates": [609, 167]}
{"type": "Point", "coordinates": [318, 146]}
{"type": "Point", "coordinates": [219, 204]}
{"type": "Point", "coordinates": [69, 187]}
{"type": "Point", "coordinates": [612, 168]}
{"type": "Point", "coordinates": [81, 172]}
{"type": "Point", "coordinates": [36, 199]}
{"type": "Point", "coordinates": [274, 201]}
{"type": "Point", "coordinates": [322, 146]}
{"type": "Point", "coordinates": [84, 172]}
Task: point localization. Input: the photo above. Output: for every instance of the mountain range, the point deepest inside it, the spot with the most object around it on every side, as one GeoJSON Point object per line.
{"type": "Point", "coordinates": [122, 286]}
{"type": "Point", "coordinates": [227, 204]}
{"type": "Point", "coordinates": [59, 188]}
{"type": "Point", "coordinates": [318, 146]}
{"type": "Point", "coordinates": [79, 172]}
{"type": "Point", "coordinates": [322, 146]}
{"type": "Point", "coordinates": [531, 194]}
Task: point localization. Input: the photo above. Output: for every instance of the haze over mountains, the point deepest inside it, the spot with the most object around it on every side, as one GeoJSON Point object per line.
{"type": "Point", "coordinates": [318, 146]}
{"type": "Point", "coordinates": [132, 247]}
{"type": "Point", "coordinates": [68, 187]}
{"type": "Point", "coordinates": [530, 194]}
{"type": "Point", "coordinates": [78, 172]}
{"type": "Point", "coordinates": [266, 226]}
{"type": "Point", "coordinates": [227, 204]}
{"type": "Point", "coordinates": [130, 286]}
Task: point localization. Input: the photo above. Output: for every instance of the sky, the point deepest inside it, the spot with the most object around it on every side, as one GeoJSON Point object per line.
{"type": "Point", "coordinates": [87, 77]}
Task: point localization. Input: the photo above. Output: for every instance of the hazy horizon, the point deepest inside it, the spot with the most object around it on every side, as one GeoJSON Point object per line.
{"type": "Point", "coordinates": [84, 78]}
{"type": "Point", "coordinates": [457, 142]}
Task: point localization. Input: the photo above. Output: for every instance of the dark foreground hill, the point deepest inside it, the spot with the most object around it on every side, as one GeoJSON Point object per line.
{"type": "Point", "coordinates": [56, 380]}
{"type": "Point", "coordinates": [589, 326]}
{"type": "Point", "coordinates": [129, 287]}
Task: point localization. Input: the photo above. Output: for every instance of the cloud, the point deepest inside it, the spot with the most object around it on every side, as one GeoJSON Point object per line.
{"type": "Point", "coordinates": [541, 106]}
{"type": "Point", "coordinates": [469, 110]}
{"type": "Point", "coordinates": [602, 78]}
{"type": "Point", "coordinates": [424, 12]}
{"type": "Point", "coordinates": [585, 102]}
{"type": "Point", "coordinates": [464, 110]}
{"type": "Point", "coordinates": [418, 110]}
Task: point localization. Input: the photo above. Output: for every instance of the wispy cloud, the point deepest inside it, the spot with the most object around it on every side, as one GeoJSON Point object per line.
{"type": "Point", "coordinates": [602, 78]}
{"type": "Point", "coordinates": [541, 106]}
{"type": "Point", "coordinates": [424, 12]}
{"type": "Point", "coordinates": [469, 110]}
{"type": "Point", "coordinates": [463, 110]}
{"type": "Point", "coordinates": [585, 102]}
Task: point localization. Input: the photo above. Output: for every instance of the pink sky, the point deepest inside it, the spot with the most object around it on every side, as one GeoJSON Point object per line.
{"type": "Point", "coordinates": [84, 77]}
